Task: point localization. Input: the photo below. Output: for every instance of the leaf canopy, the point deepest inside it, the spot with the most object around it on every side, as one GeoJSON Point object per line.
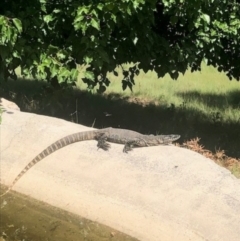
{"type": "Point", "coordinates": [48, 38]}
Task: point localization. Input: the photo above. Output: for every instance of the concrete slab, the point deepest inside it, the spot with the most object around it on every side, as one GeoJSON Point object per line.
{"type": "Point", "coordinates": [162, 193]}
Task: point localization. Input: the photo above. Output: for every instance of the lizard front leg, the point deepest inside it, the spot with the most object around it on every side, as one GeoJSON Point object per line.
{"type": "Point", "coordinates": [102, 141]}
{"type": "Point", "coordinates": [135, 143]}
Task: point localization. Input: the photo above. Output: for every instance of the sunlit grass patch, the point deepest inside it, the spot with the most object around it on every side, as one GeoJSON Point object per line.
{"type": "Point", "coordinates": [208, 91]}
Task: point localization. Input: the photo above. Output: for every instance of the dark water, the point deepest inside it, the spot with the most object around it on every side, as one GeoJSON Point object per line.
{"type": "Point", "coordinates": [26, 219]}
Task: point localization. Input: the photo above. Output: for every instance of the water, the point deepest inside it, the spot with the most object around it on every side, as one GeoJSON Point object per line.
{"type": "Point", "coordinates": [26, 219]}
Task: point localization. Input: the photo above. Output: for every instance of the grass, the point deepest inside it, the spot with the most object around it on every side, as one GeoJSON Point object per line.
{"type": "Point", "coordinates": [203, 106]}
{"type": "Point", "coordinates": [209, 92]}
{"type": "Point", "coordinates": [218, 156]}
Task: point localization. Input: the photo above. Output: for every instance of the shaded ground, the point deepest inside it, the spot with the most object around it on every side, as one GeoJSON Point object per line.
{"type": "Point", "coordinates": [24, 218]}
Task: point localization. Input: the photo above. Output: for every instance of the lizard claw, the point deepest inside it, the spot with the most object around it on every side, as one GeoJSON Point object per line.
{"type": "Point", "coordinates": [103, 145]}
{"type": "Point", "coordinates": [127, 148]}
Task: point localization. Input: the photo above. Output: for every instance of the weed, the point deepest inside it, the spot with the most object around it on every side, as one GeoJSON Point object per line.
{"type": "Point", "coordinates": [216, 117]}
{"type": "Point", "coordinates": [219, 156]}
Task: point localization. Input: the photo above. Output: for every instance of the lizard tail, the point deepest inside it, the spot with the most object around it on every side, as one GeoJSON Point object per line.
{"type": "Point", "coordinates": [65, 141]}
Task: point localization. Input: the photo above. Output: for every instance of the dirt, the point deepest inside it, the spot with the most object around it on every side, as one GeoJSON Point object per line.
{"type": "Point", "coordinates": [24, 218]}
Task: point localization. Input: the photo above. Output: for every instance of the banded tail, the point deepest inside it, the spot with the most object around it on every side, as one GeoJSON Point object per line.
{"type": "Point", "coordinates": [65, 141]}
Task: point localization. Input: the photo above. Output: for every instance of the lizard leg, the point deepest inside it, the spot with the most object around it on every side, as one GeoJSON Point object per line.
{"type": "Point", "coordinates": [129, 146]}
{"type": "Point", "coordinates": [102, 141]}
{"type": "Point", "coordinates": [137, 143]}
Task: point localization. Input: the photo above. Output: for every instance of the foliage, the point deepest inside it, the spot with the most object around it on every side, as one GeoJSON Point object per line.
{"type": "Point", "coordinates": [49, 39]}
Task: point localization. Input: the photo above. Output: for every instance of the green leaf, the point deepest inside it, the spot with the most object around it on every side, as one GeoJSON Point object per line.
{"type": "Point", "coordinates": [110, 6]}
{"type": "Point", "coordinates": [94, 13]}
{"type": "Point", "coordinates": [16, 54]}
{"type": "Point", "coordinates": [9, 33]}
{"type": "Point", "coordinates": [18, 24]}
{"type": "Point", "coordinates": [114, 18]}
{"type": "Point", "coordinates": [89, 75]}
{"type": "Point", "coordinates": [48, 18]}
{"type": "Point", "coordinates": [2, 20]}
{"type": "Point", "coordinates": [54, 70]}
{"type": "Point", "coordinates": [95, 24]}
{"type": "Point", "coordinates": [63, 72]}
{"type": "Point", "coordinates": [79, 18]}
{"type": "Point", "coordinates": [129, 10]}
{"type": "Point", "coordinates": [74, 74]}
{"type": "Point", "coordinates": [87, 59]}
{"type": "Point", "coordinates": [61, 79]}
{"type": "Point", "coordinates": [61, 55]}
{"type": "Point", "coordinates": [100, 6]}
{"type": "Point", "coordinates": [206, 18]}
{"type": "Point", "coordinates": [135, 40]}
{"type": "Point", "coordinates": [57, 11]}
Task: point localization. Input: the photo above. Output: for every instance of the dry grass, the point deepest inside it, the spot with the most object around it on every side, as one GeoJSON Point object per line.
{"type": "Point", "coordinates": [232, 164]}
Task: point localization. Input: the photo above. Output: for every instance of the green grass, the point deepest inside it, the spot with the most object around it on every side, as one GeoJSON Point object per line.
{"type": "Point", "coordinates": [235, 170]}
{"type": "Point", "coordinates": [208, 92]}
